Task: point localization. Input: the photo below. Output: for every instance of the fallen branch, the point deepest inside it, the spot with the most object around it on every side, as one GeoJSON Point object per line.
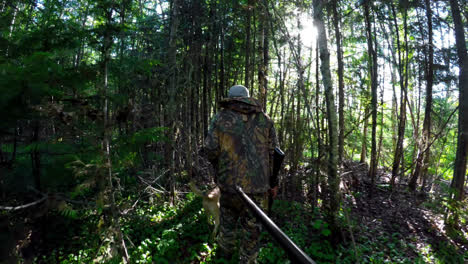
{"type": "Point", "coordinates": [124, 212]}
{"type": "Point", "coordinates": [148, 186]}
{"type": "Point", "coordinates": [14, 208]}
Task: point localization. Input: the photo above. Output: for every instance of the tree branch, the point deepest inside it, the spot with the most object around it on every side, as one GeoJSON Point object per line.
{"type": "Point", "coordinates": [14, 208]}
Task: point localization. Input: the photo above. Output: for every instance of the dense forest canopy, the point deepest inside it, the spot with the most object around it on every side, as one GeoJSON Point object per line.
{"type": "Point", "coordinates": [105, 105]}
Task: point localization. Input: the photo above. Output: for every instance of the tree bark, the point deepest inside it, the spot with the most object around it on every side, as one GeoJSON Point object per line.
{"type": "Point", "coordinates": [171, 106]}
{"type": "Point", "coordinates": [402, 117]}
{"type": "Point", "coordinates": [107, 45]}
{"type": "Point", "coordinates": [263, 55]}
{"type": "Point", "coordinates": [462, 146]}
{"type": "Point", "coordinates": [364, 135]}
{"type": "Point", "coordinates": [36, 157]}
{"type": "Point", "coordinates": [248, 43]}
{"type": "Point", "coordinates": [318, 134]}
{"type": "Point", "coordinates": [333, 179]}
{"type": "Point", "coordinates": [373, 75]}
{"type": "Point", "coordinates": [339, 52]}
{"type": "Point", "coordinates": [422, 159]}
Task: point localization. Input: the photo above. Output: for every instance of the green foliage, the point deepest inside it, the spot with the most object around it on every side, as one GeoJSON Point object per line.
{"type": "Point", "coordinates": [305, 228]}
{"type": "Point", "coordinates": [24, 83]}
{"type": "Point", "coordinates": [177, 234]}
{"type": "Point", "coordinates": [164, 233]}
{"type": "Point", "coordinates": [457, 216]}
{"type": "Point", "coordinates": [67, 211]}
{"type": "Point", "coordinates": [140, 138]}
{"type": "Point", "coordinates": [52, 72]}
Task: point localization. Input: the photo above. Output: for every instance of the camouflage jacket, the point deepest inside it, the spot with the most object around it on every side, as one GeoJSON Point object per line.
{"type": "Point", "coordinates": [240, 144]}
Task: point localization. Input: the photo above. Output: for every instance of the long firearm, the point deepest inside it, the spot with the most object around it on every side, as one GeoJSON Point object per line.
{"type": "Point", "coordinates": [295, 253]}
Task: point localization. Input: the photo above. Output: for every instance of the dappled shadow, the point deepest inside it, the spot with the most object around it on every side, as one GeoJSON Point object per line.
{"type": "Point", "coordinates": [27, 234]}
{"type": "Point", "coordinates": [399, 215]}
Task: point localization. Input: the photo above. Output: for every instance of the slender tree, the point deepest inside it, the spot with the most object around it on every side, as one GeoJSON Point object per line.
{"type": "Point", "coordinates": [333, 179]}
{"type": "Point", "coordinates": [318, 175]}
{"type": "Point", "coordinates": [422, 159]}
{"type": "Point", "coordinates": [462, 145]}
{"type": "Point", "coordinates": [372, 62]}
{"type": "Point", "coordinates": [403, 71]}
{"type": "Point", "coordinates": [339, 52]}
{"type": "Point", "coordinates": [248, 26]}
{"type": "Point", "coordinates": [107, 46]}
{"type": "Point", "coordinates": [172, 90]}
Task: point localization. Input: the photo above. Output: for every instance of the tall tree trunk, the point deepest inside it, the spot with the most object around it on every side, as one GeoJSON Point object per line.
{"type": "Point", "coordinates": [423, 153]}
{"type": "Point", "coordinates": [107, 135]}
{"type": "Point", "coordinates": [248, 43]}
{"type": "Point", "coordinates": [394, 109]}
{"type": "Point", "coordinates": [379, 145]}
{"type": "Point", "coordinates": [222, 85]}
{"type": "Point", "coordinates": [11, 29]}
{"type": "Point", "coordinates": [206, 91]}
{"type": "Point", "coordinates": [364, 134]}
{"type": "Point", "coordinates": [373, 75]}
{"type": "Point", "coordinates": [263, 56]}
{"type": "Point", "coordinates": [282, 96]}
{"type": "Point", "coordinates": [317, 118]}
{"type": "Point", "coordinates": [266, 52]}
{"type": "Point", "coordinates": [402, 117]}
{"type": "Point", "coordinates": [462, 146]}
{"type": "Point", "coordinates": [252, 62]}
{"type": "Point", "coordinates": [339, 52]}
{"type": "Point", "coordinates": [171, 106]}
{"type": "Point", "coordinates": [36, 157]}
{"type": "Point", "coordinates": [197, 9]}
{"type": "Point", "coordinates": [333, 179]}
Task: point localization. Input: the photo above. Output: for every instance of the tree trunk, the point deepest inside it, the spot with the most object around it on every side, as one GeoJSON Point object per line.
{"type": "Point", "coordinates": [36, 158]}
{"type": "Point", "coordinates": [107, 135]}
{"type": "Point", "coordinates": [266, 52]}
{"type": "Point", "coordinates": [317, 118]}
{"type": "Point", "coordinates": [333, 179]}
{"type": "Point", "coordinates": [339, 52]}
{"type": "Point", "coordinates": [423, 153]}
{"type": "Point", "coordinates": [248, 43]}
{"type": "Point", "coordinates": [364, 135]}
{"type": "Point", "coordinates": [171, 106]}
{"type": "Point", "coordinates": [253, 54]}
{"type": "Point", "coordinates": [263, 55]}
{"type": "Point", "coordinates": [373, 74]}
{"type": "Point", "coordinates": [221, 84]}
{"type": "Point", "coordinates": [462, 146]}
{"type": "Point", "coordinates": [402, 117]}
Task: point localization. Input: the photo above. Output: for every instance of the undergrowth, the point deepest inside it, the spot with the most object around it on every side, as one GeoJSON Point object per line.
{"type": "Point", "coordinates": [162, 233]}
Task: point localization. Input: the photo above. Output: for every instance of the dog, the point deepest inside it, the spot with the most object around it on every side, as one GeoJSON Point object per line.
{"type": "Point", "coordinates": [210, 204]}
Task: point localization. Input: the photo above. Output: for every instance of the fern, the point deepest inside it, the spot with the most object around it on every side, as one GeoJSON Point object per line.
{"type": "Point", "coordinates": [66, 210]}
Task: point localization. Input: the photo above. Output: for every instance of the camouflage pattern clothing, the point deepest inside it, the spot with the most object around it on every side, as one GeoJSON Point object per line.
{"type": "Point", "coordinates": [240, 144]}
{"type": "Point", "coordinates": [239, 229]}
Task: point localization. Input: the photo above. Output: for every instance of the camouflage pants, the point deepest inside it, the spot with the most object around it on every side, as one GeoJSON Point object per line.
{"type": "Point", "coordinates": [238, 228]}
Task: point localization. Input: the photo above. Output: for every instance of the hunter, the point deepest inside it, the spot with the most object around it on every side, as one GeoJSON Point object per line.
{"type": "Point", "coordinates": [240, 145]}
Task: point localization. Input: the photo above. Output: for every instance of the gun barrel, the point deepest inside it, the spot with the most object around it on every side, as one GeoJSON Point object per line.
{"type": "Point", "coordinates": [294, 252]}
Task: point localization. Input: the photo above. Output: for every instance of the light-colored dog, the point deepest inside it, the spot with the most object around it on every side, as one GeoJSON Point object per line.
{"type": "Point", "coordinates": [210, 204]}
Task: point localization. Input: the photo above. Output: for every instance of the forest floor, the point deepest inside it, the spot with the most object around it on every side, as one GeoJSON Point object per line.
{"type": "Point", "coordinates": [401, 223]}
{"type": "Point", "coordinates": [391, 226]}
